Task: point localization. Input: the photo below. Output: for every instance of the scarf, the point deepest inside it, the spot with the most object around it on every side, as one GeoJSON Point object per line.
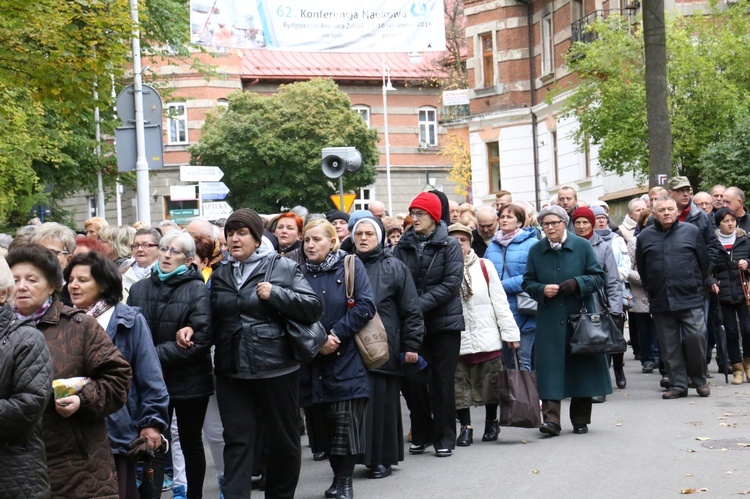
{"type": "Point", "coordinates": [241, 270]}
{"type": "Point", "coordinates": [371, 255]}
{"type": "Point", "coordinates": [727, 240]}
{"type": "Point", "coordinates": [589, 235]}
{"type": "Point", "coordinates": [326, 264]}
{"type": "Point", "coordinates": [423, 240]}
{"type": "Point", "coordinates": [142, 272]}
{"type": "Point", "coordinates": [504, 239]}
{"type": "Point", "coordinates": [466, 290]}
{"type": "Point", "coordinates": [558, 246]}
{"type": "Point", "coordinates": [97, 308]}
{"type": "Point", "coordinates": [164, 276]}
{"type": "Point", "coordinates": [37, 314]}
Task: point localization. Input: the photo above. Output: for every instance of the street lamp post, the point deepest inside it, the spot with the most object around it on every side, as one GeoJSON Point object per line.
{"type": "Point", "coordinates": [387, 86]}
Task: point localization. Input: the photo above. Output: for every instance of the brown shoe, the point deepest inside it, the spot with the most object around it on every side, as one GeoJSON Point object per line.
{"type": "Point", "coordinates": [673, 393]}
{"type": "Point", "coordinates": [704, 390]}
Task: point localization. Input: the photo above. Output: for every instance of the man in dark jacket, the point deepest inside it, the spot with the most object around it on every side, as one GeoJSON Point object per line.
{"type": "Point", "coordinates": [672, 260]}
{"type": "Point", "coordinates": [681, 192]}
{"type": "Point", "coordinates": [734, 199]}
{"type": "Point", "coordinates": [487, 224]}
{"type": "Point", "coordinates": [436, 264]}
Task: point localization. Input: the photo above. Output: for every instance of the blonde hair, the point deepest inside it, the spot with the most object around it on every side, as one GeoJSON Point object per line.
{"type": "Point", "coordinates": [98, 223]}
{"type": "Point", "coordinates": [328, 230]}
{"type": "Point", "coordinates": [7, 283]}
{"type": "Point", "coordinates": [121, 239]}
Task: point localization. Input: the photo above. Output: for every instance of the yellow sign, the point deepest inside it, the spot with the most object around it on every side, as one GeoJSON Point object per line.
{"type": "Point", "coordinates": [349, 198]}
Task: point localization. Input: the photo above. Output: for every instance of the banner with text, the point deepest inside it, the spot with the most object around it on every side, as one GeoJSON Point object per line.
{"type": "Point", "coordinates": [319, 25]}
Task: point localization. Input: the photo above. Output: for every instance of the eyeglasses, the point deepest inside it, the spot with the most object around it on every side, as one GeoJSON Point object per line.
{"type": "Point", "coordinates": [551, 225]}
{"type": "Point", "coordinates": [418, 214]}
{"type": "Point", "coordinates": [58, 252]}
{"type": "Point", "coordinates": [173, 251]}
{"type": "Point", "coordinates": [143, 245]}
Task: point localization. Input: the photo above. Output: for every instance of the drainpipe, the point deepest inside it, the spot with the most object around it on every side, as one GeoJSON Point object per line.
{"type": "Point", "coordinates": [534, 140]}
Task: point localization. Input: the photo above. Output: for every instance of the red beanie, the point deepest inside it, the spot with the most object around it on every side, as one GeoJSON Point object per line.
{"type": "Point", "coordinates": [584, 213]}
{"type": "Point", "coordinates": [430, 203]}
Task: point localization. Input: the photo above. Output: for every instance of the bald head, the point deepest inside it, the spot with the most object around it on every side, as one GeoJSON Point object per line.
{"type": "Point", "coordinates": [377, 209]}
{"type": "Point", "coordinates": [704, 201]}
{"type": "Point", "coordinates": [486, 222]}
{"type": "Point", "coordinates": [200, 228]}
{"type": "Point", "coordinates": [455, 211]}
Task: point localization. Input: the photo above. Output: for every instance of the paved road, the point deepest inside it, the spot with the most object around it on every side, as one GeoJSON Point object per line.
{"type": "Point", "coordinates": [638, 446]}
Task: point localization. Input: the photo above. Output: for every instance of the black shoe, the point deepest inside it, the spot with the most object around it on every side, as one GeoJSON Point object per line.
{"type": "Point", "coordinates": [551, 429]}
{"type": "Point", "coordinates": [466, 437]}
{"type": "Point", "coordinates": [620, 378]}
{"type": "Point", "coordinates": [599, 399]}
{"type": "Point", "coordinates": [344, 488]}
{"type": "Point", "coordinates": [443, 452]}
{"type": "Point", "coordinates": [320, 456]}
{"type": "Point", "coordinates": [580, 429]}
{"type": "Point", "coordinates": [665, 383]}
{"type": "Point", "coordinates": [331, 491]}
{"type": "Point", "coordinates": [673, 393]}
{"type": "Point", "coordinates": [647, 368]}
{"type": "Point", "coordinates": [491, 430]}
{"type": "Point", "coordinates": [417, 449]}
{"type": "Point", "coordinates": [379, 471]}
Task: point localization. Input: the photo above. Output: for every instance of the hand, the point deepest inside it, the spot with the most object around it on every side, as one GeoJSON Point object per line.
{"type": "Point", "coordinates": [514, 344]}
{"type": "Point", "coordinates": [411, 357]}
{"type": "Point", "coordinates": [264, 290]}
{"type": "Point", "coordinates": [153, 436]}
{"type": "Point", "coordinates": [67, 406]}
{"type": "Point", "coordinates": [568, 287]}
{"type": "Point", "coordinates": [715, 289]}
{"type": "Point", "coordinates": [551, 290]}
{"type": "Point", "coordinates": [743, 265]}
{"type": "Point", "coordinates": [183, 337]}
{"type": "Point", "coordinates": [331, 345]}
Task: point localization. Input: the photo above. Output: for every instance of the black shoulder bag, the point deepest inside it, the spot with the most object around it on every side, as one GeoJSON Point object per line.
{"type": "Point", "coordinates": [595, 333]}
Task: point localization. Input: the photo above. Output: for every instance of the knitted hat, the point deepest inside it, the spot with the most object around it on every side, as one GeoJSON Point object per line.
{"type": "Point", "coordinates": [248, 218]}
{"type": "Point", "coordinates": [598, 210]}
{"type": "Point", "coordinates": [584, 213]}
{"type": "Point", "coordinates": [554, 209]}
{"type": "Point", "coordinates": [461, 228]}
{"type": "Point", "coordinates": [337, 215]}
{"type": "Point", "coordinates": [430, 203]}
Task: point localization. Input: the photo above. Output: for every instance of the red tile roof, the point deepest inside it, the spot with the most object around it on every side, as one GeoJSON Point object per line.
{"type": "Point", "coordinates": [283, 65]}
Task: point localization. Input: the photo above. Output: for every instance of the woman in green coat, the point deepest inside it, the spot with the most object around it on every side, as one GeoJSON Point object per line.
{"type": "Point", "coordinates": [562, 274]}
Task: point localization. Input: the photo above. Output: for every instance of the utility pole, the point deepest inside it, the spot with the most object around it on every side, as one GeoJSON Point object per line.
{"type": "Point", "coordinates": [657, 112]}
{"type": "Point", "coordinates": [143, 205]}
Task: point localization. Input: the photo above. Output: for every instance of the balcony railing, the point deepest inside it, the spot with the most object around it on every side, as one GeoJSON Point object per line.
{"type": "Point", "coordinates": [578, 31]}
{"type": "Point", "coordinates": [450, 113]}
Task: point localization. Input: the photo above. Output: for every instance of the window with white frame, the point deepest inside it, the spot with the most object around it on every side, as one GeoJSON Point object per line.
{"type": "Point", "coordinates": [222, 103]}
{"type": "Point", "coordinates": [365, 196]}
{"type": "Point", "coordinates": [428, 127]}
{"type": "Point", "coordinates": [548, 45]}
{"type": "Point", "coordinates": [364, 112]}
{"type": "Point", "coordinates": [177, 123]}
{"type": "Point", "coordinates": [92, 207]}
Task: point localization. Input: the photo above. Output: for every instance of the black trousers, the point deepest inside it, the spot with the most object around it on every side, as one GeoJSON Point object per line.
{"type": "Point", "coordinates": [246, 406]}
{"type": "Point", "coordinates": [737, 325]}
{"type": "Point", "coordinates": [580, 411]}
{"type": "Point", "coordinates": [430, 393]}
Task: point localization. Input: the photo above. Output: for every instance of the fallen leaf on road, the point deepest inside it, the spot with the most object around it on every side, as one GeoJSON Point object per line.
{"type": "Point", "coordinates": [524, 442]}
{"type": "Point", "coordinates": [728, 472]}
{"type": "Point", "coordinates": [692, 450]}
{"type": "Point", "coordinates": [688, 474]}
{"type": "Point", "coordinates": [536, 472]}
{"type": "Point", "coordinates": [728, 414]}
{"type": "Point", "coordinates": [743, 444]}
{"type": "Point", "coordinates": [703, 439]}
{"type": "Point", "coordinates": [704, 489]}
{"type": "Point", "coordinates": [744, 492]}
{"type": "Point", "coordinates": [687, 491]}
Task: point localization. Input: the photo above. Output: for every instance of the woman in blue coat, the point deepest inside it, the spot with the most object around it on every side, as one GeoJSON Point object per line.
{"type": "Point", "coordinates": [334, 386]}
{"type": "Point", "coordinates": [562, 274]}
{"type": "Point", "coordinates": [509, 251]}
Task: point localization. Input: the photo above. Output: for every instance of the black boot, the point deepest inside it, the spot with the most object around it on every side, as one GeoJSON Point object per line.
{"type": "Point", "coordinates": [331, 491]}
{"type": "Point", "coordinates": [491, 430]}
{"type": "Point", "coordinates": [620, 377]}
{"type": "Point", "coordinates": [466, 437]}
{"type": "Point", "coordinates": [344, 489]}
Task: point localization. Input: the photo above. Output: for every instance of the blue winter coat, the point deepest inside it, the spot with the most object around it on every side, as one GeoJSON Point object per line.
{"type": "Point", "coordinates": [510, 263]}
{"type": "Point", "coordinates": [147, 397]}
{"type": "Point", "coordinates": [340, 375]}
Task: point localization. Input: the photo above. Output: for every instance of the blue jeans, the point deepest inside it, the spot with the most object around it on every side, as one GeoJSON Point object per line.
{"type": "Point", "coordinates": [524, 351]}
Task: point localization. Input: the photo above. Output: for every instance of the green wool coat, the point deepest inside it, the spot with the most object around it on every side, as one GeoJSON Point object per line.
{"type": "Point", "coordinates": [559, 374]}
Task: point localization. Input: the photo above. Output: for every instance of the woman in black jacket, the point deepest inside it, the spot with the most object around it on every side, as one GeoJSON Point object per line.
{"type": "Point", "coordinates": [175, 302]}
{"type": "Point", "coordinates": [397, 303]}
{"type": "Point", "coordinates": [334, 386]}
{"type": "Point", "coordinates": [25, 388]}
{"type": "Point", "coordinates": [733, 263]}
{"type": "Point", "coordinates": [436, 263]}
{"type": "Point", "coordinates": [257, 376]}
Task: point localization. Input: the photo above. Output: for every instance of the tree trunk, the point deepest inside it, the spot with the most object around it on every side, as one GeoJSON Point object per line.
{"type": "Point", "coordinates": [659, 131]}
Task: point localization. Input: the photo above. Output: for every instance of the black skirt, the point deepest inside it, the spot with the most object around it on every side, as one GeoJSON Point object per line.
{"type": "Point", "coordinates": [385, 432]}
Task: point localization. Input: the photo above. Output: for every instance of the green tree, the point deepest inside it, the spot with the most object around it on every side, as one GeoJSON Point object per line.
{"type": "Point", "coordinates": [270, 147]}
{"type": "Point", "coordinates": [728, 161]}
{"type": "Point", "coordinates": [708, 77]}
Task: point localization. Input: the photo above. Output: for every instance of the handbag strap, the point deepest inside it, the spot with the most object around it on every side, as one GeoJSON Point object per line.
{"type": "Point", "coordinates": [484, 271]}
{"type": "Point", "coordinates": [349, 276]}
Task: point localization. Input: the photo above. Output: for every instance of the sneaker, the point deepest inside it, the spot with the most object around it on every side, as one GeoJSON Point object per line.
{"type": "Point", "coordinates": [168, 483]}
{"type": "Point", "coordinates": [647, 368]}
{"type": "Point", "coordinates": [179, 492]}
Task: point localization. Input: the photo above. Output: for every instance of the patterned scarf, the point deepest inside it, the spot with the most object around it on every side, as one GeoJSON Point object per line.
{"type": "Point", "coordinates": [97, 308]}
{"type": "Point", "coordinates": [326, 264]}
{"type": "Point", "coordinates": [37, 314]}
{"type": "Point", "coordinates": [504, 239]}
{"type": "Point", "coordinates": [466, 289]}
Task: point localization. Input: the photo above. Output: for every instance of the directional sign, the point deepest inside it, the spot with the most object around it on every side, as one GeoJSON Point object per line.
{"type": "Point", "coordinates": [200, 173]}
{"type": "Point", "coordinates": [213, 211]}
{"type": "Point", "coordinates": [214, 190]}
{"type": "Point", "coordinates": [182, 192]}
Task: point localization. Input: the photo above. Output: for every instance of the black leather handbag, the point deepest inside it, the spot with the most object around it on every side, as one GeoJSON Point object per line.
{"type": "Point", "coordinates": [596, 333]}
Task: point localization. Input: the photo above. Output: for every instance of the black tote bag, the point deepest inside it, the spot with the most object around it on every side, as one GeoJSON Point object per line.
{"type": "Point", "coordinates": [518, 397]}
{"type": "Point", "coordinates": [596, 333]}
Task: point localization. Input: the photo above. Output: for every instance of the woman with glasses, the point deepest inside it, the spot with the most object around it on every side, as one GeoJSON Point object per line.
{"type": "Point", "coordinates": [436, 263]}
{"type": "Point", "coordinates": [175, 302]}
{"type": "Point", "coordinates": [145, 250]}
{"type": "Point", "coordinates": [562, 275]}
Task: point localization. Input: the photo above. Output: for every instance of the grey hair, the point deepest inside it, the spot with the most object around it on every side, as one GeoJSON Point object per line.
{"type": "Point", "coordinates": [6, 279]}
{"type": "Point", "coordinates": [52, 231]}
{"type": "Point", "coordinates": [632, 202]}
{"type": "Point", "coordinates": [183, 240]}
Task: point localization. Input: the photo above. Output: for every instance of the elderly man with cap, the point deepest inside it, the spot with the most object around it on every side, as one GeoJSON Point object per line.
{"type": "Point", "coordinates": [679, 189]}
{"type": "Point", "coordinates": [436, 264]}
{"type": "Point", "coordinates": [562, 274]}
{"type": "Point", "coordinates": [257, 379]}
{"type": "Point", "coordinates": [489, 322]}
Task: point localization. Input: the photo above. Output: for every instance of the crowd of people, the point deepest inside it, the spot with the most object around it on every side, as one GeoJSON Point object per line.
{"type": "Point", "coordinates": [125, 347]}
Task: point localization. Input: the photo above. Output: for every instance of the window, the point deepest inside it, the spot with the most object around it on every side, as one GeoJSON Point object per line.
{"type": "Point", "coordinates": [556, 173]}
{"type": "Point", "coordinates": [222, 103]}
{"type": "Point", "coordinates": [177, 123]}
{"type": "Point", "coordinates": [427, 127]}
{"type": "Point", "coordinates": [365, 196]}
{"type": "Point", "coordinates": [488, 60]}
{"type": "Point", "coordinates": [92, 207]}
{"type": "Point", "coordinates": [493, 163]}
{"type": "Point", "coordinates": [576, 9]}
{"type": "Point", "coordinates": [548, 45]}
{"type": "Point", "coordinates": [364, 112]}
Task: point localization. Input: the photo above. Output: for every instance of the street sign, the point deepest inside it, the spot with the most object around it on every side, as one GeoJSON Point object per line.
{"type": "Point", "coordinates": [126, 148]}
{"type": "Point", "coordinates": [214, 190]}
{"type": "Point", "coordinates": [200, 173]}
{"type": "Point", "coordinates": [214, 211]}
{"type": "Point", "coordinates": [349, 199]}
{"type": "Point", "coordinates": [182, 193]}
{"type": "Point", "coordinates": [190, 212]}
{"type": "Point", "coordinates": [152, 106]}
